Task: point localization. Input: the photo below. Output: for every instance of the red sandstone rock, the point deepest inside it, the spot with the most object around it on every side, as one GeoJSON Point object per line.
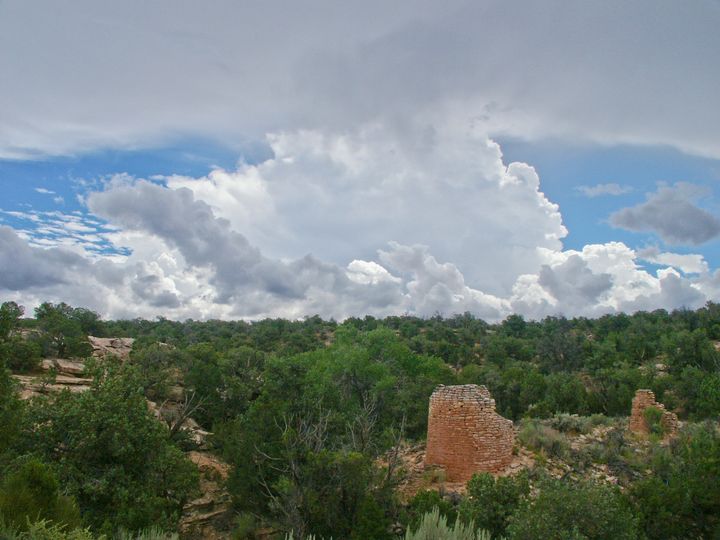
{"type": "Point", "coordinates": [642, 400]}
{"type": "Point", "coordinates": [465, 434]}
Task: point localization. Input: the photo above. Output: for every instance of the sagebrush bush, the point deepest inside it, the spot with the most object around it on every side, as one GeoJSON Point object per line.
{"type": "Point", "coordinates": [43, 530]}
{"type": "Point", "coordinates": [539, 437]}
{"type": "Point", "coordinates": [572, 423]}
{"type": "Point", "coordinates": [151, 533]}
{"type": "Point", "coordinates": [425, 501]}
{"type": "Point", "coordinates": [434, 526]}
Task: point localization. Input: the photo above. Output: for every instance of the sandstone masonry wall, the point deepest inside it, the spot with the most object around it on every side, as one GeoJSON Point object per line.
{"type": "Point", "coordinates": [642, 400]}
{"type": "Point", "coordinates": [465, 434]}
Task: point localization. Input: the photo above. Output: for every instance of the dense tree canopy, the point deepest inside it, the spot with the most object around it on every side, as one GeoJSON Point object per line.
{"type": "Point", "coordinates": [309, 414]}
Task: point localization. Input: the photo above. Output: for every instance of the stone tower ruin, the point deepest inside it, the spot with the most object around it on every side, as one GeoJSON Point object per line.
{"type": "Point", "coordinates": [465, 434]}
{"type": "Point", "coordinates": [642, 400]}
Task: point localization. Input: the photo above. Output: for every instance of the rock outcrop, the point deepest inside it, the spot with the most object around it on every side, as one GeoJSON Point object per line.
{"type": "Point", "coordinates": [208, 516]}
{"type": "Point", "coordinates": [34, 386]}
{"type": "Point", "coordinates": [103, 347]}
{"type": "Point", "coordinates": [643, 400]}
{"type": "Point", "coordinates": [57, 374]}
{"type": "Point", "coordinates": [465, 434]}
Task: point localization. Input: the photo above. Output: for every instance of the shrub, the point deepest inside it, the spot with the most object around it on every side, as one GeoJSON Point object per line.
{"type": "Point", "coordinates": [424, 502]}
{"type": "Point", "coordinates": [121, 466]}
{"type": "Point", "coordinates": [20, 355]}
{"type": "Point", "coordinates": [680, 499]}
{"type": "Point", "coordinates": [539, 437]}
{"type": "Point", "coordinates": [152, 533]}
{"type": "Point", "coordinates": [653, 419]}
{"type": "Point", "coordinates": [31, 493]}
{"type": "Point", "coordinates": [11, 411]}
{"type": "Point", "coordinates": [245, 525]}
{"type": "Point", "coordinates": [434, 526]}
{"type": "Point", "coordinates": [491, 501]}
{"type": "Point", "coordinates": [564, 510]}
{"type": "Point", "coordinates": [572, 423]}
{"type": "Point", "coordinates": [43, 530]}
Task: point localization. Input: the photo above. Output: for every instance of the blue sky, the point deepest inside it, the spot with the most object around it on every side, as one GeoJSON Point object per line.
{"type": "Point", "coordinates": [287, 159]}
{"type": "Point", "coordinates": [563, 168]}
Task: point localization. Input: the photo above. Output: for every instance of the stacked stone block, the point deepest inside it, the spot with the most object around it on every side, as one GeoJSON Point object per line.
{"type": "Point", "coordinates": [465, 434]}
{"type": "Point", "coordinates": [642, 400]}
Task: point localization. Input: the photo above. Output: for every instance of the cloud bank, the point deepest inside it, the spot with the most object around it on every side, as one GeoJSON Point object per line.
{"type": "Point", "coordinates": [345, 223]}
{"type": "Point", "coordinates": [132, 74]}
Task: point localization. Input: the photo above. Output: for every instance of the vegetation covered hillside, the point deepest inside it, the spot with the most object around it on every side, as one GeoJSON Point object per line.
{"type": "Point", "coordinates": [317, 421]}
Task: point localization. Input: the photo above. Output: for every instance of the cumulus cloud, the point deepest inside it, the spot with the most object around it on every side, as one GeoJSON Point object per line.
{"type": "Point", "coordinates": [235, 71]}
{"type": "Point", "coordinates": [22, 266]}
{"type": "Point", "coordinates": [604, 189]}
{"type": "Point", "coordinates": [604, 278]}
{"type": "Point", "coordinates": [238, 274]}
{"type": "Point", "coordinates": [187, 224]}
{"type": "Point", "coordinates": [341, 196]}
{"type": "Point", "coordinates": [673, 291]}
{"type": "Point", "coordinates": [688, 263]}
{"type": "Point", "coordinates": [573, 284]}
{"type": "Point", "coordinates": [672, 214]}
{"type": "Point", "coordinates": [307, 232]}
{"type": "Point", "coordinates": [434, 287]}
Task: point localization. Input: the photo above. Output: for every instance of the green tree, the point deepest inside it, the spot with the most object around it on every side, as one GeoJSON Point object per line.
{"type": "Point", "coordinates": [19, 354]}
{"type": "Point", "coordinates": [62, 334]}
{"type": "Point", "coordinates": [490, 502]}
{"type": "Point", "coordinates": [111, 454]}
{"type": "Point", "coordinates": [10, 314]}
{"type": "Point", "coordinates": [11, 412]}
{"type": "Point", "coordinates": [565, 392]}
{"type": "Point", "coordinates": [561, 347]}
{"type": "Point", "coordinates": [690, 349]}
{"type": "Point", "coordinates": [707, 403]}
{"type": "Point", "coordinates": [680, 499]}
{"type": "Point", "coordinates": [564, 510]}
{"type": "Point", "coordinates": [225, 382]}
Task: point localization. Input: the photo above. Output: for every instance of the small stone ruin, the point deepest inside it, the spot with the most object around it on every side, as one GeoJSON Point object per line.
{"type": "Point", "coordinates": [465, 434]}
{"type": "Point", "coordinates": [638, 424]}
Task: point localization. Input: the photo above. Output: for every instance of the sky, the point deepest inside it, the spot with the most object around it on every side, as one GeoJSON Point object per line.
{"type": "Point", "coordinates": [242, 159]}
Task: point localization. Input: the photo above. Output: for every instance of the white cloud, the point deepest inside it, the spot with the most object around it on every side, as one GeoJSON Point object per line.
{"type": "Point", "coordinates": [604, 189]}
{"type": "Point", "coordinates": [687, 263]}
{"type": "Point", "coordinates": [343, 196]}
{"type": "Point", "coordinates": [467, 232]}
